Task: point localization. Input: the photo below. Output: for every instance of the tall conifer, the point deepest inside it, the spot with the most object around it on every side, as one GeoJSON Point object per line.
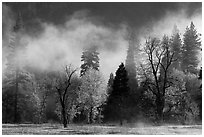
{"type": "Point", "coordinates": [190, 50]}
{"type": "Point", "coordinates": [90, 59]}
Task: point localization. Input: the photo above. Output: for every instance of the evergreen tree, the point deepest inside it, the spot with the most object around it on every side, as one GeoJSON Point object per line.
{"type": "Point", "coordinates": [118, 99]}
{"type": "Point", "coordinates": [106, 111]}
{"type": "Point", "coordinates": [90, 59]}
{"type": "Point", "coordinates": [130, 64]}
{"type": "Point", "coordinates": [110, 84]}
{"type": "Point", "coordinates": [175, 30]}
{"type": "Point", "coordinates": [15, 74]}
{"type": "Point", "coordinates": [190, 49]}
{"type": "Point", "coordinates": [200, 97]}
{"type": "Point", "coordinates": [176, 45]}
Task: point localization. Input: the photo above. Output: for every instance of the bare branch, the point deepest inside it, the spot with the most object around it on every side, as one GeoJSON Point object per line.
{"type": "Point", "coordinates": [155, 93]}
{"type": "Point", "coordinates": [68, 81]}
{"type": "Point", "coordinates": [60, 96]}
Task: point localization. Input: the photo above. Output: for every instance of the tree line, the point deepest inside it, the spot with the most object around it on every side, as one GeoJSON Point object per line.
{"type": "Point", "coordinates": [166, 87]}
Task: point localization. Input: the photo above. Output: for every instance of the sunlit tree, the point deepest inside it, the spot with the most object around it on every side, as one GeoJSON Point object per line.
{"type": "Point", "coordinates": [92, 94]}
{"type": "Point", "coordinates": [90, 60]}
{"type": "Point", "coordinates": [191, 46]}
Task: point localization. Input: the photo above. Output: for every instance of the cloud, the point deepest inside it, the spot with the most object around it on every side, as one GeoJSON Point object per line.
{"type": "Point", "coordinates": [60, 45]}
{"type": "Point", "coordinates": [164, 26]}
{"type": "Point", "coordinates": [180, 18]}
{"type": "Point", "coordinates": [7, 23]}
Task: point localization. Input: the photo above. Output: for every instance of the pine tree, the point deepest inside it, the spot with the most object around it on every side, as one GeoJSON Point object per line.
{"type": "Point", "coordinates": [15, 75]}
{"type": "Point", "coordinates": [117, 101]}
{"type": "Point", "coordinates": [130, 64]}
{"type": "Point", "coordinates": [110, 84]}
{"type": "Point", "coordinates": [175, 30]}
{"type": "Point", "coordinates": [176, 45]}
{"type": "Point", "coordinates": [190, 49]}
{"type": "Point", "coordinates": [106, 108]}
{"type": "Point", "coordinates": [90, 59]}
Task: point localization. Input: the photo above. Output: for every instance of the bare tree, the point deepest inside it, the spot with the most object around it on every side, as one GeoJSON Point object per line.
{"type": "Point", "coordinates": [63, 82]}
{"type": "Point", "coordinates": [159, 58]}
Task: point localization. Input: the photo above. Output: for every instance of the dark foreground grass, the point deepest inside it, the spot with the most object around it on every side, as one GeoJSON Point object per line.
{"type": "Point", "coordinates": [57, 129]}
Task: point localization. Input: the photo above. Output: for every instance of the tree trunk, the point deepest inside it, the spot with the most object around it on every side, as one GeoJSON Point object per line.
{"type": "Point", "coordinates": [64, 117]}
{"type": "Point", "coordinates": [90, 116]}
{"type": "Point", "coordinates": [160, 107]}
{"type": "Point", "coordinates": [16, 98]}
{"type": "Point", "coordinates": [6, 119]}
{"type": "Point", "coordinates": [99, 115]}
{"type": "Point", "coordinates": [121, 122]}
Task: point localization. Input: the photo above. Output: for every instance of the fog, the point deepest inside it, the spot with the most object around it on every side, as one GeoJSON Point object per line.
{"type": "Point", "coordinates": [180, 18]}
{"type": "Point", "coordinates": [57, 45]}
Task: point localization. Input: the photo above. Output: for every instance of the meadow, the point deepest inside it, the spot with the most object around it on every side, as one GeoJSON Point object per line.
{"type": "Point", "coordinates": [74, 129]}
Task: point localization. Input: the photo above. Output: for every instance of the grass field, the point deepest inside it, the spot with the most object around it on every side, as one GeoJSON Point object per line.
{"type": "Point", "coordinates": [56, 129]}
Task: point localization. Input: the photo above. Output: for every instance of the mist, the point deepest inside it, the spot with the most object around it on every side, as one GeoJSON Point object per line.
{"type": "Point", "coordinates": [58, 44]}
{"type": "Point", "coordinates": [179, 18]}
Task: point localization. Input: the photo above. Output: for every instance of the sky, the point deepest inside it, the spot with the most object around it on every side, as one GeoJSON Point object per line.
{"type": "Point", "coordinates": [56, 34]}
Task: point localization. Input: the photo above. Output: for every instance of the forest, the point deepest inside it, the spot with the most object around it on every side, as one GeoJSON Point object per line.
{"type": "Point", "coordinates": [166, 87]}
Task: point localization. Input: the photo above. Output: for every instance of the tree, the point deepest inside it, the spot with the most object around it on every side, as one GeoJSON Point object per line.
{"type": "Point", "coordinates": [165, 44]}
{"type": "Point", "coordinates": [193, 88]}
{"type": "Point", "coordinates": [191, 46]}
{"type": "Point", "coordinates": [27, 104]}
{"type": "Point", "coordinates": [42, 89]}
{"type": "Point", "coordinates": [176, 45]}
{"type": "Point", "coordinates": [118, 100]}
{"type": "Point", "coordinates": [160, 58]}
{"type": "Point", "coordinates": [72, 101]}
{"type": "Point", "coordinates": [92, 94]}
{"type": "Point", "coordinates": [63, 82]}
{"type": "Point", "coordinates": [110, 84]}
{"type": "Point", "coordinates": [109, 92]}
{"type": "Point", "coordinates": [15, 74]}
{"type": "Point", "coordinates": [130, 64]}
{"type": "Point", "coordinates": [200, 87]}
{"type": "Point", "coordinates": [200, 74]}
{"type": "Point", "coordinates": [180, 104]}
{"type": "Point", "coordinates": [90, 59]}
{"type": "Point", "coordinates": [146, 101]}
